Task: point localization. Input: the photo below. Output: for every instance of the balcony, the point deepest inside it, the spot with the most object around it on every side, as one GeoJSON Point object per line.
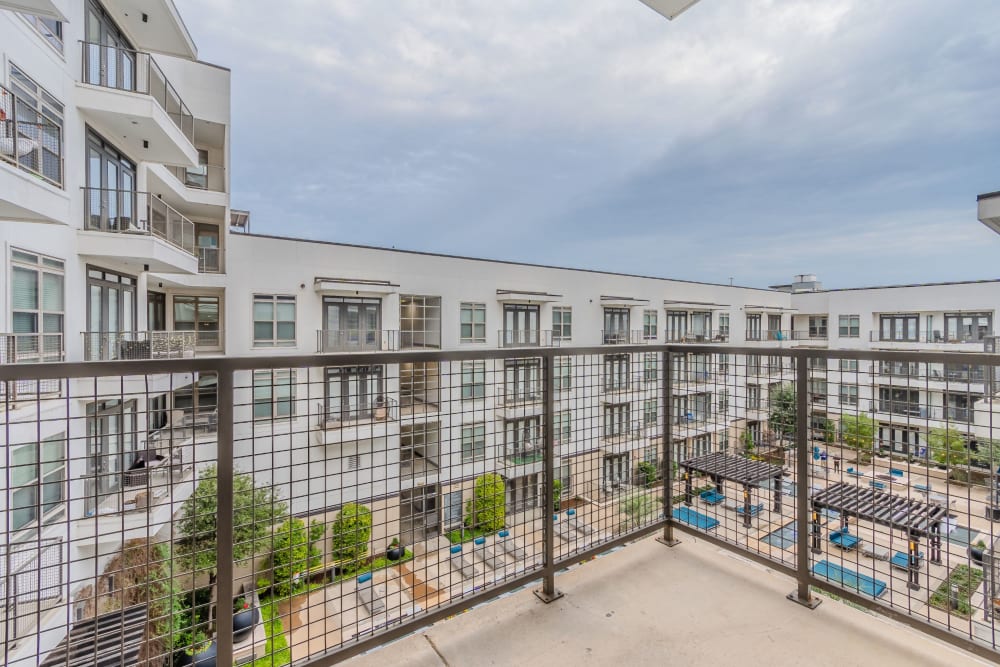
{"type": "Point", "coordinates": [720, 336]}
{"type": "Point", "coordinates": [356, 340]}
{"type": "Point", "coordinates": [525, 454]}
{"type": "Point", "coordinates": [153, 25]}
{"type": "Point", "coordinates": [362, 420]}
{"type": "Point", "coordinates": [976, 338]}
{"type": "Point", "coordinates": [818, 336]}
{"type": "Point", "coordinates": [138, 345]}
{"type": "Point", "coordinates": [31, 165]}
{"type": "Point", "coordinates": [209, 259]}
{"type": "Point", "coordinates": [989, 210]}
{"type": "Point", "coordinates": [621, 337]}
{"type": "Point", "coordinates": [30, 349]}
{"type": "Point", "coordinates": [181, 188]}
{"type": "Point", "coordinates": [524, 338]}
{"type": "Point", "coordinates": [137, 229]}
{"type": "Point", "coordinates": [47, 9]}
{"type": "Point", "coordinates": [125, 94]}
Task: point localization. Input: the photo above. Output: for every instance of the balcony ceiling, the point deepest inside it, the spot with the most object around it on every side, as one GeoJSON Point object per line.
{"type": "Point", "coordinates": [47, 9]}
{"type": "Point", "coordinates": [354, 285]}
{"type": "Point", "coordinates": [24, 197]}
{"type": "Point", "coordinates": [989, 210]}
{"type": "Point", "coordinates": [129, 119]}
{"type": "Point", "coordinates": [163, 31]}
{"type": "Point", "coordinates": [130, 253]}
{"type": "Point", "coordinates": [670, 8]}
{"type": "Point", "coordinates": [200, 205]}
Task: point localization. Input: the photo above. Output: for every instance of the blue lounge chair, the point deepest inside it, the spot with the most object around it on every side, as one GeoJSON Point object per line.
{"type": "Point", "coordinates": [849, 578]}
{"type": "Point", "coordinates": [754, 509]}
{"type": "Point", "coordinates": [922, 487]}
{"type": "Point", "coordinates": [696, 519]}
{"type": "Point", "coordinates": [712, 497]}
{"type": "Point", "coordinates": [877, 485]}
{"type": "Point", "coordinates": [844, 540]}
{"type": "Point", "coordinates": [856, 473]}
{"type": "Point", "coordinates": [895, 472]}
{"type": "Point", "coordinates": [901, 559]}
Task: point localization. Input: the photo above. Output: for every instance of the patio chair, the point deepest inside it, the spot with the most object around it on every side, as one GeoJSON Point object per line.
{"type": "Point", "coordinates": [372, 597]}
{"type": "Point", "coordinates": [844, 540]}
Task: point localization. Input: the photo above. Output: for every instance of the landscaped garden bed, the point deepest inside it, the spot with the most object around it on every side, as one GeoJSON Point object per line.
{"type": "Point", "coordinates": [966, 580]}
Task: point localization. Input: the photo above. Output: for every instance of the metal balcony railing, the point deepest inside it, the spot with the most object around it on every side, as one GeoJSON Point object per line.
{"type": "Point", "coordinates": [718, 336]}
{"type": "Point", "coordinates": [136, 72]}
{"type": "Point", "coordinates": [208, 177]}
{"type": "Point", "coordinates": [820, 334]}
{"type": "Point", "coordinates": [357, 340]}
{"type": "Point", "coordinates": [209, 259]}
{"type": "Point", "coordinates": [28, 141]}
{"type": "Point", "coordinates": [621, 337]}
{"type": "Point", "coordinates": [131, 212]}
{"type": "Point", "coordinates": [138, 345]}
{"type": "Point", "coordinates": [935, 336]}
{"type": "Point", "coordinates": [804, 489]}
{"type": "Point", "coordinates": [524, 338]}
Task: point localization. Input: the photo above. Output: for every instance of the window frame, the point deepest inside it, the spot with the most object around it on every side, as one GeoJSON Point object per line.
{"type": "Point", "coordinates": [44, 512]}
{"type": "Point", "coordinates": [476, 372]}
{"type": "Point", "coordinates": [562, 323]}
{"type": "Point", "coordinates": [563, 373]}
{"type": "Point", "coordinates": [649, 324]}
{"type": "Point", "coordinates": [472, 308]}
{"type": "Point", "coordinates": [41, 265]}
{"type": "Point", "coordinates": [272, 379]}
{"type": "Point", "coordinates": [852, 326]}
{"type": "Point", "coordinates": [274, 300]}
{"type": "Point", "coordinates": [473, 435]}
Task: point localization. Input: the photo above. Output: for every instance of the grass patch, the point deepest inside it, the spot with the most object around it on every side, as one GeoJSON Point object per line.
{"type": "Point", "coordinates": [277, 653]}
{"type": "Point", "coordinates": [379, 563]}
{"type": "Point", "coordinates": [967, 580]}
{"type": "Point", "coordinates": [695, 492]}
{"type": "Point", "coordinates": [461, 535]}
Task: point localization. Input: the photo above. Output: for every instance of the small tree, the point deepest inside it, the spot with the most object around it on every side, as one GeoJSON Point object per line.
{"type": "Point", "coordinates": [351, 531]}
{"type": "Point", "coordinates": [782, 417]}
{"type": "Point", "coordinates": [747, 441]}
{"type": "Point", "coordinates": [317, 531]}
{"type": "Point", "coordinates": [947, 447]}
{"type": "Point", "coordinates": [291, 556]}
{"type": "Point", "coordinates": [556, 493]}
{"type": "Point", "coordinates": [637, 509]}
{"type": "Point", "coordinates": [649, 472]}
{"type": "Point", "coordinates": [858, 432]}
{"type": "Point", "coordinates": [486, 510]}
{"type": "Point", "coordinates": [255, 511]}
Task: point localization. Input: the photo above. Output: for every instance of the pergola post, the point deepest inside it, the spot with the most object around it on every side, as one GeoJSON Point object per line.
{"type": "Point", "coordinates": [746, 506]}
{"type": "Point", "coordinates": [815, 531]}
{"type": "Point", "coordinates": [777, 493]}
{"type": "Point", "coordinates": [718, 483]}
{"type": "Point", "coordinates": [935, 543]}
{"type": "Point", "coordinates": [913, 564]}
{"type": "Point", "coordinates": [688, 495]}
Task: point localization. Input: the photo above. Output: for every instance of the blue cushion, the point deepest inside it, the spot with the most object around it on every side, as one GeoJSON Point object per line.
{"type": "Point", "coordinates": [570, 512]}
{"type": "Point", "coordinates": [480, 540]}
{"type": "Point", "coordinates": [555, 517]}
{"type": "Point", "coordinates": [367, 576]}
{"type": "Point", "coordinates": [456, 549]}
{"type": "Point", "coordinates": [503, 533]}
{"type": "Point", "coordinates": [896, 472]}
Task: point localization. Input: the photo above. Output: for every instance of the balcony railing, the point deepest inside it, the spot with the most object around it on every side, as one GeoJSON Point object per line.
{"type": "Point", "coordinates": [621, 337]}
{"type": "Point", "coordinates": [131, 212]}
{"type": "Point", "coordinates": [30, 349]}
{"type": "Point", "coordinates": [524, 338]}
{"type": "Point", "coordinates": [809, 335]}
{"type": "Point", "coordinates": [719, 336]}
{"type": "Point", "coordinates": [28, 141]}
{"type": "Point", "coordinates": [138, 345]}
{"type": "Point", "coordinates": [136, 72]}
{"type": "Point", "coordinates": [209, 259]}
{"type": "Point", "coordinates": [208, 177]}
{"type": "Point", "coordinates": [356, 340]}
{"type": "Point", "coordinates": [790, 513]}
{"type": "Point", "coordinates": [968, 337]}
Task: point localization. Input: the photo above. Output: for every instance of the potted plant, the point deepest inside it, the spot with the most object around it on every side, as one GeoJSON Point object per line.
{"type": "Point", "coordinates": [395, 551]}
{"type": "Point", "coordinates": [202, 653]}
{"type": "Point", "coordinates": [380, 410]}
{"type": "Point", "coordinates": [244, 619]}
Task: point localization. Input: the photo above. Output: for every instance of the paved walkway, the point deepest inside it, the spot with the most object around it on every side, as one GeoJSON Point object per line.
{"type": "Point", "coordinates": [647, 604]}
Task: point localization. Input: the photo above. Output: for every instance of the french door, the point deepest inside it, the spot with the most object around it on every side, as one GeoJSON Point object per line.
{"type": "Point", "coordinates": [520, 324]}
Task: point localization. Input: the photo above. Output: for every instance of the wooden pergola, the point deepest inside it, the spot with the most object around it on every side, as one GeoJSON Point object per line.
{"type": "Point", "coordinates": [721, 467]}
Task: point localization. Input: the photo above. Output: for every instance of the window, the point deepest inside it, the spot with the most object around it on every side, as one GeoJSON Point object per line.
{"type": "Point", "coordinates": [616, 323]}
{"type": "Point", "coordinates": [352, 324]}
{"type": "Point", "coordinates": [817, 326]}
{"type": "Point", "coordinates": [753, 364]}
{"type": "Point", "coordinates": [473, 443]}
{"type": "Point", "coordinates": [967, 327]}
{"type": "Point", "coordinates": [565, 474]}
{"type": "Point", "coordinates": [816, 364]}
{"type": "Point", "coordinates": [701, 445]}
{"type": "Point", "coordinates": [156, 311]}
{"type": "Point", "coordinates": [649, 324]}
{"type": "Point", "coordinates": [111, 200]}
{"type": "Point", "coordinates": [958, 407]}
{"type": "Point", "coordinates": [774, 364]}
{"type": "Point", "coordinates": [473, 320]}
{"type": "Point", "coordinates": [650, 364]}
{"type": "Point", "coordinates": [650, 409]}
{"type": "Point", "coordinates": [617, 419]}
{"type": "Point", "coordinates": [523, 440]}
{"type": "Point", "coordinates": [273, 394]}
{"type": "Point", "coordinates": [37, 482]}
{"type": "Point", "coordinates": [849, 365]}
{"type": "Point", "coordinates": [723, 365]}
{"type": "Point", "coordinates": [902, 440]}
{"type": "Point", "coordinates": [564, 373]}
{"type": "Point", "coordinates": [848, 394]}
{"type": "Point", "coordinates": [197, 177]}
{"type": "Point", "coordinates": [199, 314]}
{"type": "Point", "coordinates": [473, 380]}
{"type": "Point", "coordinates": [522, 380]}
{"type": "Point", "coordinates": [273, 321]}
{"type": "Point", "coordinates": [723, 401]}
{"type": "Point", "coordinates": [900, 402]}
{"type": "Point", "coordinates": [40, 121]}
{"type": "Point", "coordinates": [817, 391]}
{"type": "Point", "coordinates": [562, 425]}
{"type": "Point", "coordinates": [420, 322]}
{"type": "Point", "coordinates": [676, 325]}
{"type": "Point", "coordinates": [753, 397]}
{"type": "Point", "coordinates": [562, 323]}
{"type": "Point", "coordinates": [616, 369]}
{"type": "Point", "coordinates": [724, 326]}
{"type": "Point", "coordinates": [355, 392]}
{"type": "Point", "coordinates": [753, 326]}
{"type": "Point", "coordinates": [850, 326]}
{"type": "Point", "coordinates": [452, 510]}
{"type": "Point", "coordinates": [651, 455]}
{"type": "Point", "coordinates": [50, 30]}
{"type": "Point", "coordinates": [899, 327]}
{"type": "Point", "coordinates": [37, 307]}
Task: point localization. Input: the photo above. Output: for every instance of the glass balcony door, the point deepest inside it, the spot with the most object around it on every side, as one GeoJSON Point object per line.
{"type": "Point", "coordinates": [352, 323]}
{"type": "Point", "coordinates": [520, 324]}
{"type": "Point", "coordinates": [353, 392]}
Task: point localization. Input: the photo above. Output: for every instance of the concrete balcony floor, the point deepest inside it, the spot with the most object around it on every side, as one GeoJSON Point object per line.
{"type": "Point", "coordinates": [694, 604]}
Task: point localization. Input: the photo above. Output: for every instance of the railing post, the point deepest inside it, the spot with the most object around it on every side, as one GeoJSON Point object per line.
{"type": "Point", "coordinates": [224, 534]}
{"type": "Point", "coordinates": [548, 593]}
{"type": "Point", "coordinates": [667, 429]}
{"type": "Point", "coordinates": [801, 594]}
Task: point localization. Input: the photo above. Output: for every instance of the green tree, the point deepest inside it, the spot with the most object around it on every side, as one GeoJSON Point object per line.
{"type": "Point", "coordinates": [293, 553]}
{"type": "Point", "coordinates": [747, 441]}
{"type": "Point", "coordinates": [556, 493]}
{"type": "Point", "coordinates": [648, 471]}
{"type": "Point", "coordinates": [256, 509]}
{"type": "Point", "coordinates": [487, 510]}
{"type": "Point", "coordinates": [351, 531]}
{"type": "Point", "coordinates": [858, 431]}
{"type": "Point", "coordinates": [782, 417]}
{"type": "Point", "coordinates": [947, 447]}
{"type": "Point", "coordinates": [317, 531]}
{"type": "Point", "coordinates": [637, 509]}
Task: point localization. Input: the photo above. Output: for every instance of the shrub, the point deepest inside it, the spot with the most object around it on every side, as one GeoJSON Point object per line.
{"type": "Point", "coordinates": [486, 510]}
{"type": "Point", "coordinates": [556, 493]}
{"type": "Point", "coordinates": [291, 556]}
{"type": "Point", "coordinates": [351, 531]}
{"type": "Point", "coordinates": [648, 470]}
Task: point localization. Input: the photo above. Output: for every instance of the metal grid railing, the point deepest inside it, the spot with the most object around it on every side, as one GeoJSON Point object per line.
{"type": "Point", "coordinates": [136, 345]}
{"type": "Point", "coordinates": [332, 536]}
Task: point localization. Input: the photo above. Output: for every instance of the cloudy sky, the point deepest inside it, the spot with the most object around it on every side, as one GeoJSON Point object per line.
{"type": "Point", "coordinates": [749, 139]}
